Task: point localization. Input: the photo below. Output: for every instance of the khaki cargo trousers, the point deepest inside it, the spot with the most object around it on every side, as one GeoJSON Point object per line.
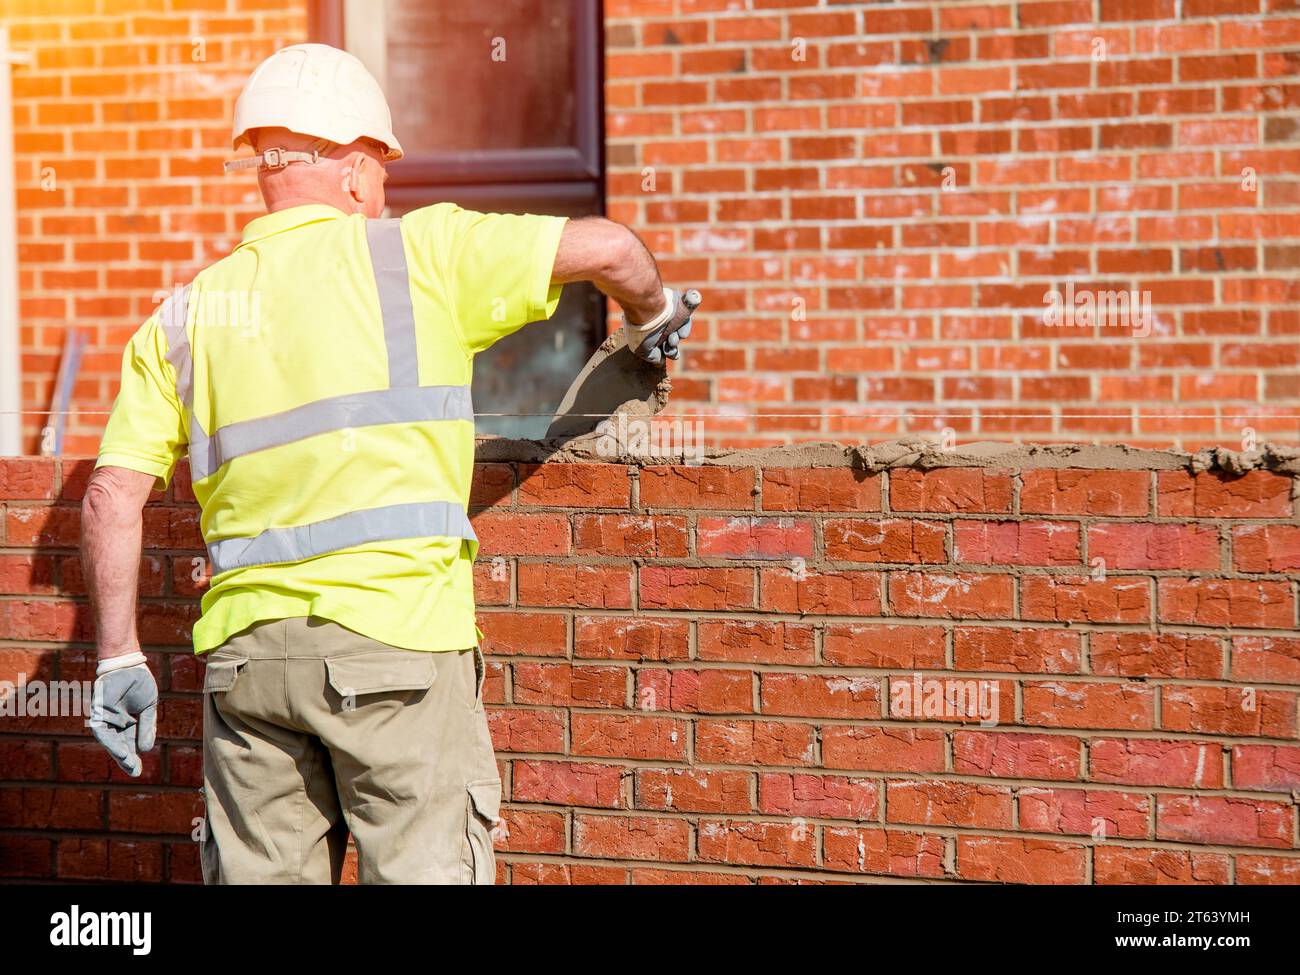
{"type": "Point", "coordinates": [312, 731]}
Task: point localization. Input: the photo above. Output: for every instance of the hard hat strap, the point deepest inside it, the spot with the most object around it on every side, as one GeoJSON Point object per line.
{"type": "Point", "coordinates": [272, 159]}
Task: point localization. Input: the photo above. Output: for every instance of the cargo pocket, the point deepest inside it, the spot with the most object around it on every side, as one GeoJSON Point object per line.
{"type": "Point", "coordinates": [221, 672]}
{"type": "Point", "coordinates": [483, 809]}
{"type": "Point", "coordinates": [379, 672]}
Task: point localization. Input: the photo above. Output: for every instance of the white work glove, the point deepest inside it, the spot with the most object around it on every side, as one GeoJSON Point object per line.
{"type": "Point", "coordinates": [662, 335]}
{"type": "Point", "coordinates": [124, 710]}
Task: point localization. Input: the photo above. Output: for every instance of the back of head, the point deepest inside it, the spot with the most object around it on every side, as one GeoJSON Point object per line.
{"type": "Point", "coordinates": [320, 127]}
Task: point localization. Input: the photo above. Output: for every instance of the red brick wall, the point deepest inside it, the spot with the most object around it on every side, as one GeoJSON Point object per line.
{"type": "Point", "coordinates": [120, 127]}
{"type": "Point", "coordinates": [821, 181]}
{"type": "Point", "coordinates": [694, 670]}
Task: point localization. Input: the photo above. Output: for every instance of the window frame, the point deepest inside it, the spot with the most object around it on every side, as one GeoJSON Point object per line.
{"type": "Point", "coordinates": [582, 162]}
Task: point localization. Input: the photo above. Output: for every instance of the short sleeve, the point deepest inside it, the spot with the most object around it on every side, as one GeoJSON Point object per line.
{"type": "Point", "coordinates": [497, 268]}
{"type": "Point", "coordinates": [146, 431]}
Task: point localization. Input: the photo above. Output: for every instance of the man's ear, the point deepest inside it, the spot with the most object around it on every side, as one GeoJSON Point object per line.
{"type": "Point", "coordinates": [355, 185]}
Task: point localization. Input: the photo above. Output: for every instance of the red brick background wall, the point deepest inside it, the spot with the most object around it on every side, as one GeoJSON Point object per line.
{"type": "Point", "coordinates": [120, 127]}
{"type": "Point", "coordinates": [693, 670]}
{"type": "Point", "coordinates": [1094, 142]}
{"type": "Point", "coordinates": [1099, 143]}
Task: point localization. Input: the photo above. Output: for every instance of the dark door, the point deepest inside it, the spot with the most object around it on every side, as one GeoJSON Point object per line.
{"type": "Point", "coordinates": [499, 108]}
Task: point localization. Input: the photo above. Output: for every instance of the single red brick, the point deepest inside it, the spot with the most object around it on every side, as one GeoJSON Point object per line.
{"type": "Point", "coordinates": [1127, 545]}
{"type": "Point", "coordinates": [56, 525]}
{"type": "Point", "coordinates": [1215, 494]}
{"type": "Point", "coordinates": [630, 638]}
{"type": "Point", "coordinates": [675, 877]}
{"type": "Point", "coordinates": [154, 812]}
{"type": "Point", "coordinates": [1021, 649]}
{"type": "Point", "coordinates": [27, 856]}
{"type": "Point", "coordinates": [966, 489]}
{"type": "Point", "coordinates": [819, 593]}
{"type": "Point", "coordinates": [1150, 867]}
{"type": "Point", "coordinates": [818, 796]}
{"type": "Point", "coordinates": [692, 588]}
{"type": "Point", "coordinates": [757, 844]}
{"type": "Point", "coordinates": [588, 586]}
{"type": "Point", "coordinates": [110, 859]}
{"type": "Point", "coordinates": [1226, 602]}
{"type": "Point", "coordinates": [886, 749]}
{"type": "Point", "coordinates": [21, 575]}
{"type": "Point", "coordinates": [883, 646]}
{"type": "Point", "coordinates": [1268, 768]}
{"type": "Point", "coordinates": [631, 837]}
{"type": "Point", "coordinates": [1148, 761]}
{"type": "Point", "coordinates": [1224, 820]}
{"type": "Point", "coordinates": [28, 479]}
{"type": "Point", "coordinates": [755, 641]}
{"type": "Point", "coordinates": [1073, 599]}
{"type": "Point", "coordinates": [1268, 870]}
{"type": "Point", "coordinates": [817, 696]}
{"type": "Point", "coordinates": [563, 685]}
{"type": "Point", "coordinates": [885, 540]}
{"type": "Point", "coordinates": [575, 485]}
{"type": "Point", "coordinates": [719, 488]}
{"type": "Point", "coordinates": [1046, 491]}
{"type": "Point", "coordinates": [524, 634]}
{"type": "Point", "coordinates": [1020, 861]}
{"type": "Point", "coordinates": [1016, 542]}
{"type": "Point", "coordinates": [172, 527]}
{"type": "Point", "coordinates": [532, 730]}
{"type": "Point", "coordinates": [948, 803]}
{"type": "Point", "coordinates": [1144, 654]}
{"type": "Point", "coordinates": [493, 484]}
{"type": "Point", "coordinates": [26, 760]}
{"type": "Point", "coordinates": [1268, 659]}
{"type": "Point", "coordinates": [531, 831]}
{"type": "Point", "coordinates": [1229, 711]}
{"type": "Point", "coordinates": [754, 538]}
{"type": "Point", "coordinates": [1079, 704]}
{"type": "Point", "coordinates": [730, 741]}
{"type": "Point", "coordinates": [964, 595]}
{"type": "Point", "coordinates": [1094, 812]}
{"type": "Point", "coordinates": [508, 533]}
{"type": "Point", "coordinates": [820, 489]}
{"type": "Point", "coordinates": [663, 537]}
{"type": "Point", "coordinates": [694, 790]}
{"type": "Point", "coordinates": [1010, 755]}
{"type": "Point", "coordinates": [886, 852]}
{"type": "Point", "coordinates": [567, 783]}
{"type": "Point", "coordinates": [492, 583]}
{"type": "Point", "coordinates": [627, 736]}
{"type": "Point", "coordinates": [1266, 548]}
{"type": "Point", "coordinates": [695, 691]}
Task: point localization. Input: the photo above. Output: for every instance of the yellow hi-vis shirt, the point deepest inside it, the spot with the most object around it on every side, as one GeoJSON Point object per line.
{"type": "Point", "coordinates": [319, 378]}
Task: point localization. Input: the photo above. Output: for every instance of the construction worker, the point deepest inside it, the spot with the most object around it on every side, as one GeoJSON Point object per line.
{"type": "Point", "coordinates": [319, 378]}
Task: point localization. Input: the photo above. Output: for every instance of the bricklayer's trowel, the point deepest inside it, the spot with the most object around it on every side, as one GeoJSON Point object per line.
{"type": "Point", "coordinates": [613, 381]}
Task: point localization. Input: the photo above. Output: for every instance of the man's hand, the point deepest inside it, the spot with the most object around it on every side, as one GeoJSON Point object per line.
{"type": "Point", "coordinates": [661, 336]}
{"type": "Point", "coordinates": [124, 709]}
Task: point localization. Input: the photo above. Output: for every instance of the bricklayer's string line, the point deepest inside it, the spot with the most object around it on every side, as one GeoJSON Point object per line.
{"type": "Point", "coordinates": [956, 412]}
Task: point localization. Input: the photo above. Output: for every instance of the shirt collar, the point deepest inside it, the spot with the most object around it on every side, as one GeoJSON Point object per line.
{"type": "Point", "coordinates": [290, 219]}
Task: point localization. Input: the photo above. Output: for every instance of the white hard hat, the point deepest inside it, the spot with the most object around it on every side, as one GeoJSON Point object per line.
{"type": "Point", "coordinates": [319, 91]}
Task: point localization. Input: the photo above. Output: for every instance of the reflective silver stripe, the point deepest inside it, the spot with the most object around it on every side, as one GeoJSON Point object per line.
{"type": "Point", "coordinates": [409, 404]}
{"type": "Point", "coordinates": [388, 259]}
{"type": "Point", "coordinates": [420, 520]}
{"type": "Point", "coordinates": [171, 317]}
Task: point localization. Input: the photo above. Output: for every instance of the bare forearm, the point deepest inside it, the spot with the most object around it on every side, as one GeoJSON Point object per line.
{"type": "Point", "coordinates": [614, 259]}
{"type": "Point", "coordinates": [111, 525]}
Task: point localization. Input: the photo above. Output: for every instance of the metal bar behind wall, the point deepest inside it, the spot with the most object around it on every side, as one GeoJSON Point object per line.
{"type": "Point", "coordinates": [10, 356]}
